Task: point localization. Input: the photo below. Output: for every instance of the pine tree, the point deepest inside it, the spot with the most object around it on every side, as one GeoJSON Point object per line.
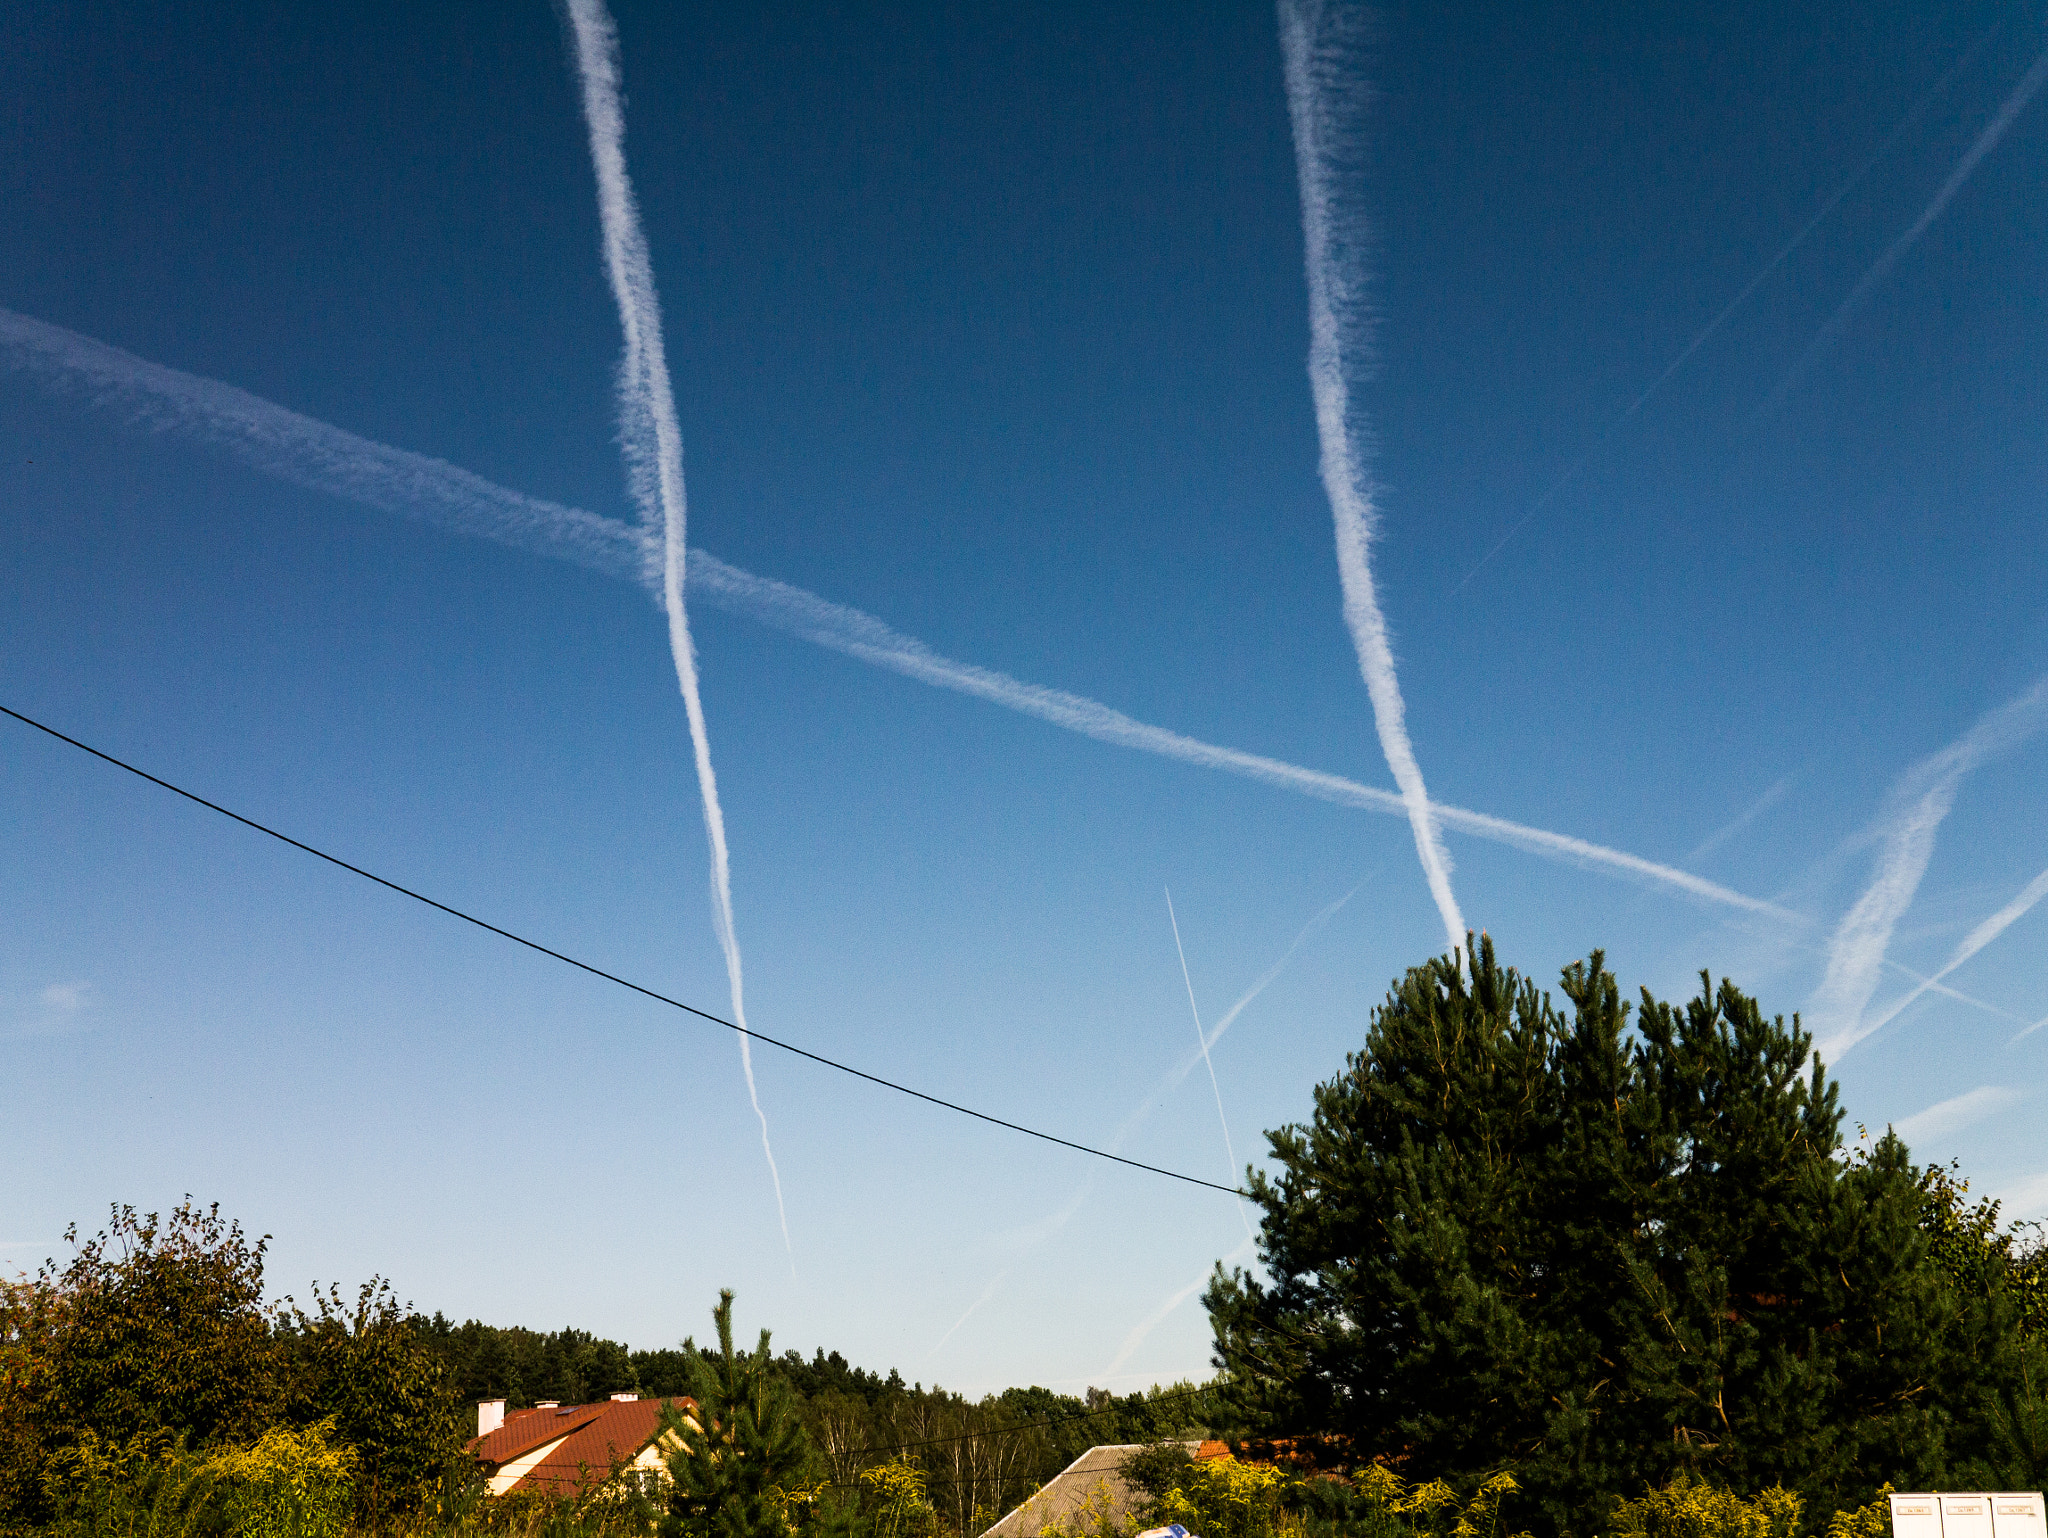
{"type": "Point", "coordinates": [742, 1451]}
{"type": "Point", "coordinates": [1605, 1255]}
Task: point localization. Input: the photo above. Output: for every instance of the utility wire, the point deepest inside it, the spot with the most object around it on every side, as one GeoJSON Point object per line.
{"type": "Point", "coordinates": [612, 977]}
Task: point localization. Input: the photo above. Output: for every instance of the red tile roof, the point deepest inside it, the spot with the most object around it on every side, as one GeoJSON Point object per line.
{"type": "Point", "coordinates": [594, 1438]}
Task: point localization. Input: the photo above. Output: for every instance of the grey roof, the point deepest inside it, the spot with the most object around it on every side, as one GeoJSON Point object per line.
{"type": "Point", "coordinates": [1094, 1477]}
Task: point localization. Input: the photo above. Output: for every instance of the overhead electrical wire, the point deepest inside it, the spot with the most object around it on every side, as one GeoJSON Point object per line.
{"type": "Point", "coordinates": [613, 977]}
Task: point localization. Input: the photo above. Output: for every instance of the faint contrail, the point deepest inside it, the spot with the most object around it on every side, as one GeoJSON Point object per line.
{"type": "Point", "coordinates": [2023, 1035]}
{"type": "Point", "coordinates": [653, 442]}
{"type": "Point", "coordinates": [1996, 129]}
{"type": "Point", "coordinates": [1317, 40]}
{"type": "Point", "coordinates": [1202, 1042]}
{"type": "Point", "coordinates": [1705, 332]}
{"type": "Point", "coordinates": [1953, 1115]}
{"type": "Point", "coordinates": [1167, 1305]}
{"type": "Point", "coordinates": [1742, 819]}
{"type": "Point", "coordinates": [322, 457]}
{"type": "Point", "coordinates": [1905, 833]}
{"type": "Point", "coordinates": [1972, 943]}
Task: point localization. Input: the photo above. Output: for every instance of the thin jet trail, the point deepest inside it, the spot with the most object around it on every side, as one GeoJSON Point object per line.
{"type": "Point", "coordinates": [653, 442]}
{"type": "Point", "coordinates": [1317, 40]}
{"type": "Point", "coordinates": [2008, 114]}
{"type": "Point", "coordinates": [321, 457]}
{"type": "Point", "coordinates": [1202, 1042]}
{"type": "Point", "coordinates": [1168, 1082]}
{"type": "Point", "coordinates": [1706, 332]}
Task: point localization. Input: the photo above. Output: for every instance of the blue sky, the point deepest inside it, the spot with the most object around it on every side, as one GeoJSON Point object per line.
{"type": "Point", "coordinates": [990, 323]}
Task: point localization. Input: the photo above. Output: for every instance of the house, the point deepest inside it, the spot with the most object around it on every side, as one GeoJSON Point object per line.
{"type": "Point", "coordinates": [567, 1450]}
{"type": "Point", "coordinates": [1090, 1488]}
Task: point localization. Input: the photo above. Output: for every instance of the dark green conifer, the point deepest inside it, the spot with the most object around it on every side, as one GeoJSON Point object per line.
{"type": "Point", "coordinates": [742, 1452]}
{"type": "Point", "coordinates": [1603, 1256]}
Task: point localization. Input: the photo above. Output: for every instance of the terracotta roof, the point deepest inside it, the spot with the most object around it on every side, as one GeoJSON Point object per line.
{"type": "Point", "coordinates": [592, 1439]}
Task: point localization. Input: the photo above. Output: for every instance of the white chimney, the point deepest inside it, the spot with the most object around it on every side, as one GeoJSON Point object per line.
{"type": "Point", "coordinates": [625, 1398]}
{"type": "Point", "coordinates": [490, 1415]}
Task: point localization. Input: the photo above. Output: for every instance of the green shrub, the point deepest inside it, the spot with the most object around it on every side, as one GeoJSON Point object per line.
{"type": "Point", "coordinates": [1872, 1521]}
{"type": "Point", "coordinates": [290, 1484]}
{"type": "Point", "coordinates": [1686, 1508]}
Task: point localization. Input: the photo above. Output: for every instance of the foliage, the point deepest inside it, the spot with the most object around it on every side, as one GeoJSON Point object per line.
{"type": "Point", "coordinates": [1157, 1467]}
{"type": "Point", "coordinates": [1606, 1255]}
{"type": "Point", "coordinates": [895, 1502]}
{"type": "Point", "coordinates": [365, 1370]}
{"type": "Point", "coordinates": [741, 1451]}
{"type": "Point", "coordinates": [1223, 1498]}
{"type": "Point", "coordinates": [1978, 1258]}
{"type": "Point", "coordinates": [154, 1337]}
{"type": "Point", "coordinates": [289, 1484]}
{"type": "Point", "coordinates": [132, 1491]}
{"type": "Point", "coordinates": [1872, 1521]}
{"type": "Point", "coordinates": [1686, 1508]}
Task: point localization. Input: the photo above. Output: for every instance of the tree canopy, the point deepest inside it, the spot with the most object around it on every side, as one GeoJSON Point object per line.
{"type": "Point", "coordinates": [1605, 1253]}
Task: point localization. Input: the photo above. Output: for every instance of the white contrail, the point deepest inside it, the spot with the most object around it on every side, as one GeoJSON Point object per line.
{"type": "Point", "coordinates": [653, 442]}
{"type": "Point", "coordinates": [1202, 1042]}
{"type": "Point", "coordinates": [317, 455]}
{"type": "Point", "coordinates": [1972, 943]}
{"type": "Point", "coordinates": [1167, 1305]}
{"type": "Point", "coordinates": [1995, 130]}
{"type": "Point", "coordinates": [2023, 1035]}
{"type": "Point", "coordinates": [1728, 310]}
{"type": "Point", "coordinates": [1316, 38]}
{"type": "Point", "coordinates": [1905, 835]}
{"type": "Point", "coordinates": [306, 452]}
{"type": "Point", "coordinates": [1953, 1115]}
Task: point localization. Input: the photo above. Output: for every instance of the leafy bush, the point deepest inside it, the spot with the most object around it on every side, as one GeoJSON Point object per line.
{"type": "Point", "coordinates": [1224, 1499]}
{"type": "Point", "coordinates": [897, 1506]}
{"type": "Point", "coordinates": [1686, 1508]}
{"type": "Point", "coordinates": [1872, 1521]}
{"type": "Point", "coordinates": [137, 1490]}
{"type": "Point", "coordinates": [290, 1484]}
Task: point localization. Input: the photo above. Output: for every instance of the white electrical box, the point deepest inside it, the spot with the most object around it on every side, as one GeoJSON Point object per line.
{"type": "Point", "coordinates": [1916, 1516]}
{"type": "Point", "coordinates": [1965, 1516]}
{"type": "Point", "coordinates": [2018, 1515]}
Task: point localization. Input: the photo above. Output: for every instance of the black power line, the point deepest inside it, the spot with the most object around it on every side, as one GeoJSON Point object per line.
{"type": "Point", "coordinates": [612, 977]}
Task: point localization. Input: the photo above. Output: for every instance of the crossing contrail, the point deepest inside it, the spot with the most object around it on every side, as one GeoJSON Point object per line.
{"type": "Point", "coordinates": [1971, 943]}
{"type": "Point", "coordinates": [1905, 833]}
{"type": "Point", "coordinates": [1317, 39]}
{"type": "Point", "coordinates": [653, 442]}
{"type": "Point", "coordinates": [1995, 130]}
{"type": "Point", "coordinates": [1202, 1042]}
{"type": "Point", "coordinates": [322, 457]}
